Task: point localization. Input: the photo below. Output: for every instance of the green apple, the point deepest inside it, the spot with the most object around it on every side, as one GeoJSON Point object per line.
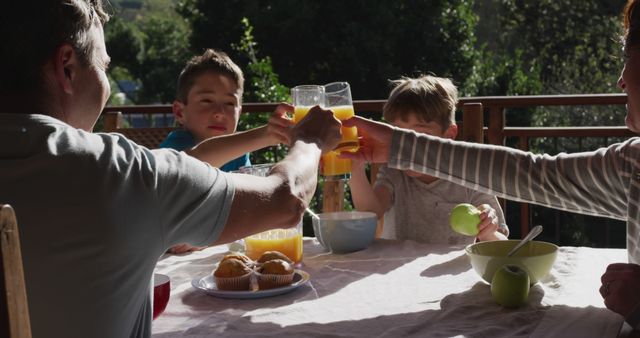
{"type": "Point", "coordinates": [464, 219]}
{"type": "Point", "coordinates": [510, 286]}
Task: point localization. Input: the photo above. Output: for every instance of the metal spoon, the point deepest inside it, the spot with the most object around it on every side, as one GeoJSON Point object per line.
{"type": "Point", "coordinates": [312, 214]}
{"type": "Point", "coordinates": [531, 235]}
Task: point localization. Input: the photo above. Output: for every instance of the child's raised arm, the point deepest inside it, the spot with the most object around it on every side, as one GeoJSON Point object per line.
{"type": "Point", "coordinates": [221, 149]}
{"type": "Point", "coordinates": [363, 194]}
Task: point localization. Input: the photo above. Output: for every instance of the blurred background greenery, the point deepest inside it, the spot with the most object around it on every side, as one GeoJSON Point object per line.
{"type": "Point", "coordinates": [489, 47]}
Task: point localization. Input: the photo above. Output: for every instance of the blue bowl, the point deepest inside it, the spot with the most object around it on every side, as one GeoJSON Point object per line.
{"type": "Point", "coordinates": [345, 231]}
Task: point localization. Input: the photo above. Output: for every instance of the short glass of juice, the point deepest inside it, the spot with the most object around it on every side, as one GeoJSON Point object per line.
{"type": "Point", "coordinates": [305, 97]}
{"type": "Point", "coordinates": [286, 241]}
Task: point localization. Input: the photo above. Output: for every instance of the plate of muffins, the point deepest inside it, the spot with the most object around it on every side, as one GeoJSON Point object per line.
{"type": "Point", "coordinates": [238, 276]}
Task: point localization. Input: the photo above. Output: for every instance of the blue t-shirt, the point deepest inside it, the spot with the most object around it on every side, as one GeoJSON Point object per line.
{"type": "Point", "coordinates": [182, 139]}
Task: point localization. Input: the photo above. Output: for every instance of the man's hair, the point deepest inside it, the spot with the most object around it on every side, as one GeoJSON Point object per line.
{"type": "Point", "coordinates": [32, 30]}
{"type": "Point", "coordinates": [210, 61]}
{"type": "Point", "coordinates": [631, 14]}
{"type": "Point", "coordinates": [430, 98]}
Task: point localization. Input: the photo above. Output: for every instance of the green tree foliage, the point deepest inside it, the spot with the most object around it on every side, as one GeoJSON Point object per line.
{"type": "Point", "coordinates": [363, 42]}
{"type": "Point", "coordinates": [572, 40]}
{"type": "Point", "coordinates": [149, 50]}
{"type": "Point", "coordinates": [570, 47]}
{"type": "Point", "coordinates": [164, 55]}
{"type": "Point", "coordinates": [261, 85]}
{"type": "Point", "coordinates": [123, 43]}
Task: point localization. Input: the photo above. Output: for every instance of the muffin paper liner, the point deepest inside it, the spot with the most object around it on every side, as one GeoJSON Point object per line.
{"type": "Point", "coordinates": [241, 283]}
{"type": "Point", "coordinates": [270, 281]}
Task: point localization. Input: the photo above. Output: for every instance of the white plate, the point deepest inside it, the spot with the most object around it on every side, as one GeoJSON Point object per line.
{"type": "Point", "coordinates": [207, 284]}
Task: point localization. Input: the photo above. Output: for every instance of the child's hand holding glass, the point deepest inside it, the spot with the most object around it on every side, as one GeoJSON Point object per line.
{"type": "Point", "coordinates": [279, 125]}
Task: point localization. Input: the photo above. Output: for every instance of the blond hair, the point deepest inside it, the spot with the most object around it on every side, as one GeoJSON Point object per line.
{"type": "Point", "coordinates": [430, 98]}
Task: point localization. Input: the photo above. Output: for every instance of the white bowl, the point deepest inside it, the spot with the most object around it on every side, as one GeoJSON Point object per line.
{"type": "Point", "coordinates": [345, 231]}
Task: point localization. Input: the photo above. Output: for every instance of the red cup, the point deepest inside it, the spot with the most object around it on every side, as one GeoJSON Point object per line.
{"type": "Point", "coordinates": [161, 292]}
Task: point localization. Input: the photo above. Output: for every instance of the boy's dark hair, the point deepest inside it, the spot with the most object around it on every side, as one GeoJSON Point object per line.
{"type": "Point", "coordinates": [32, 30]}
{"type": "Point", "coordinates": [210, 61]}
{"type": "Point", "coordinates": [430, 98]}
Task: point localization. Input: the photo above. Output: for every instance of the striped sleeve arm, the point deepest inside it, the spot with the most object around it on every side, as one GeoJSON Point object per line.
{"type": "Point", "coordinates": [592, 183]}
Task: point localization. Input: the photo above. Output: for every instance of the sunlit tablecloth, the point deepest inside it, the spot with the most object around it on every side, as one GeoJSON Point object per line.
{"type": "Point", "coordinates": [393, 289]}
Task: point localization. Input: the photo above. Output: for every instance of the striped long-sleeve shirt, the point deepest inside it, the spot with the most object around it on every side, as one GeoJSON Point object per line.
{"type": "Point", "coordinates": [605, 182]}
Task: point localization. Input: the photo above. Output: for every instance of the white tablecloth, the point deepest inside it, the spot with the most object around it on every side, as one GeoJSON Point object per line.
{"type": "Point", "coordinates": [392, 289]}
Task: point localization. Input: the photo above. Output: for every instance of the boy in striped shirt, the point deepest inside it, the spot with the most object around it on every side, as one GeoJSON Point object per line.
{"type": "Point", "coordinates": [417, 206]}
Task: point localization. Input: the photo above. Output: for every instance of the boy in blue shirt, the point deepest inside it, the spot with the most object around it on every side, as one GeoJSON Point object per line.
{"type": "Point", "coordinates": [208, 105]}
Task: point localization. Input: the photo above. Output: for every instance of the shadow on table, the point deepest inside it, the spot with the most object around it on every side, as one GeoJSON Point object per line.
{"type": "Point", "coordinates": [452, 267]}
{"type": "Point", "coordinates": [471, 313]}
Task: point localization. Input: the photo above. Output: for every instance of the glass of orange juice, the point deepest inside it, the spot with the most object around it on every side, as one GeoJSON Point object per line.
{"type": "Point", "coordinates": [287, 241]}
{"type": "Point", "coordinates": [304, 98]}
{"type": "Point", "coordinates": [338, 99]}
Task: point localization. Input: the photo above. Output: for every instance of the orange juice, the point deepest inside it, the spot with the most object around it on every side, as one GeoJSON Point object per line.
{"type": "Point", "coordinates": [333, 166]}
{"type": "Point", "coordinates": [299, 112]}
{"type": "Point", "coordinates": [349, 135]}
{"type": "Point", "coordinates": [287, 241]}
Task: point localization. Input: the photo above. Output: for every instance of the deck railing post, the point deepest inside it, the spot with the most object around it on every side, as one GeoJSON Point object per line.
{"type": "Point", "coordinates": [112, 121]}
{"type": "Point", "coordinates": [472, 122]}
{"type": "Point", "coordinates": [496, 125]}
{"type": "Point", "coordinates": [523, 144]}
{"type": "Point", "coordinates": [333, 195]}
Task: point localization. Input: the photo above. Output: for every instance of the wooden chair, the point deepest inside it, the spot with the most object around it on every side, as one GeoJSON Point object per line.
{"type": "Point", "coordinates": [148, 137]}
{"type": "Point", "coordinates": [14, 310]}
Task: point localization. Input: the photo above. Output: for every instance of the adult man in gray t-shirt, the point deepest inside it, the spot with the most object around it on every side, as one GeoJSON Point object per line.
{"type": "Point", "coordinates": [96, 211]}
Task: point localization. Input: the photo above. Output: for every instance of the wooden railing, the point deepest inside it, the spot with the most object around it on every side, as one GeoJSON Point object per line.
{"type": "Point", "coordinates": [483, 121]}
{"type": "Point", "coordinates": [493, 106]}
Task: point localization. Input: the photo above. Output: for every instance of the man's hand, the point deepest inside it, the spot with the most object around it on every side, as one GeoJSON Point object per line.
{"type": "Point", "coordinates": [321, 127]}
{"type": "Point", "coordinates": [620, 288]}
{"type": "Point", "coordinates": [375, 139]}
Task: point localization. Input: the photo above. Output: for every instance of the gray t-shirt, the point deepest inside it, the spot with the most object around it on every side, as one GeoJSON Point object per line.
{"type": "Point", "coordinates": [95, 211]}
{"type": "Point", "coordinates": [420, 211]}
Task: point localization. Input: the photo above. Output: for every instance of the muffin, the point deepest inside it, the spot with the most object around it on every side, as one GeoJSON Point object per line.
{"type": "Point", "coordinates": [232, 274]}
{"type": "Point", "coordinates": [274, 273]}
{"type": "Point", "coordinates": [269, 255]}
{"type": "Point", "coordinates": [243, 258]}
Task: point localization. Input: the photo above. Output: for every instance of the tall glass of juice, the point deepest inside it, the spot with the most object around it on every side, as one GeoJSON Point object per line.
{"type": "Point", "coordinates": [338, 99]}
